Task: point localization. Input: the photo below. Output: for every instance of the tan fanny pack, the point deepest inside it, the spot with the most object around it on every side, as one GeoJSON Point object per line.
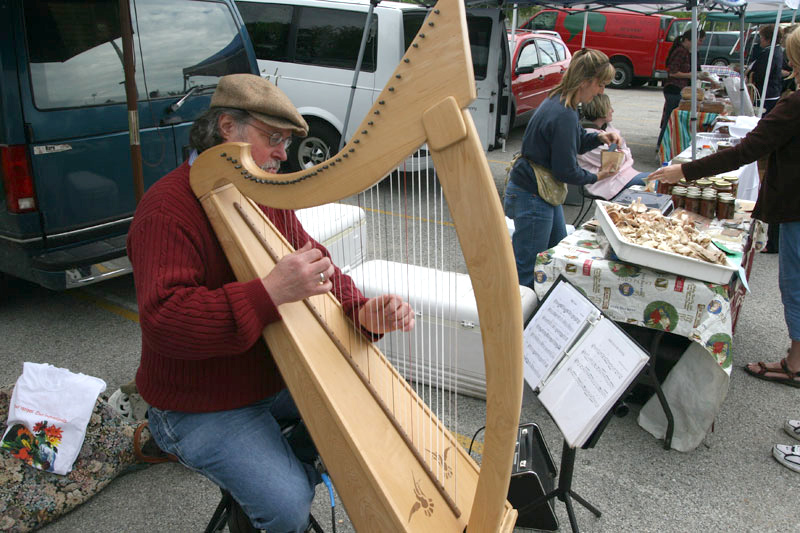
{"type": "Point", "coordinates": [551, 190]}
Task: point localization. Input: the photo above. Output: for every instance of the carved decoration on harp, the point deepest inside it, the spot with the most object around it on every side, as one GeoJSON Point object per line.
{"type": "Point", "coordinates": [382, 471]}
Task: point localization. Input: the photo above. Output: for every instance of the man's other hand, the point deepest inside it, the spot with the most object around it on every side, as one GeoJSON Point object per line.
{"type": "Point", "coordinates": [386, 313]}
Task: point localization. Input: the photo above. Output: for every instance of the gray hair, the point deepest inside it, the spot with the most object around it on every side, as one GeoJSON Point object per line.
{"type": "Point", "coordinates": [205, 130]}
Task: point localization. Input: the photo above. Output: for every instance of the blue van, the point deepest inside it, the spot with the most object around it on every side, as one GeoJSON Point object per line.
{"type": "Point", "coordinates": [66, 180]}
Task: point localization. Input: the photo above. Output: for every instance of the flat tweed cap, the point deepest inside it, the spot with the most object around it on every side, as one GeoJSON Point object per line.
{"type": "Point", "coordinates": [260, 98]}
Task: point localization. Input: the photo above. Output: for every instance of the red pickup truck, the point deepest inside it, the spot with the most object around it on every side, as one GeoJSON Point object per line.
{"type": "Point", "coordinates": [637, 44]}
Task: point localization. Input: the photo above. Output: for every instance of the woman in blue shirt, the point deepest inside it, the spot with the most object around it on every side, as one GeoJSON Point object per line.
{"type": "Point", "coordinates": [553, 139]}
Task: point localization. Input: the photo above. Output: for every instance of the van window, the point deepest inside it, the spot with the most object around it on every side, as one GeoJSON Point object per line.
{"type": "Point", "coordinates": [725, 39]}
{"type": "Point", "coordinates": [268, 26]}
{"type": "Point", "coordinates": [310, 35]}
{"type": "Point", "coordinates": [171, 67]}
{"type": "Point", "coordinates": [480, 36]}
{"type": "Point", "coordinates": [332, 37]}
{"type": "Point", "coordinates": [412, 22]}
{"type": "Point", "coordinates": [545, 21]}
{"type": "Point", "coordinates": [547, 52]}
{"type": "Point", "coordinates": [75, 49]}
{"type": "Point", "coordinates": [676, 29]}
{"type": "Point", "coordinates": [74, 52]}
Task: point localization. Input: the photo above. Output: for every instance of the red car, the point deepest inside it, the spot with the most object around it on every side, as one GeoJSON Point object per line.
{"type": "Point", "coordinates": [539, 60]}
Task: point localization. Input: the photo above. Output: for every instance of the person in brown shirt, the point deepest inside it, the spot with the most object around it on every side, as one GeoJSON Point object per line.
{"type": "Point", "coordinates": [776, 136]}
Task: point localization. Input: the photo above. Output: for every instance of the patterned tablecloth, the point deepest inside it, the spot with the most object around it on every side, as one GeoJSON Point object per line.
{"type": "Point", "coordinates": [704, 312]}
{"type": "Point", "coordinates": [679, 132]}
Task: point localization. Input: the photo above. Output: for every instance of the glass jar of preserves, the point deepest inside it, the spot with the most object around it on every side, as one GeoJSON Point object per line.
{"type": "Point", "coordinates": [726, 207]}
{"type": "Point", "coordinates": [721, 185]}
{"type": "Point", "coordinates": [678, 196]}
{"type": "Point", "coordinates": [664, 188]}
{"type": "Point", "coordinates": [734, 183]}
{"type": "Point", "coordinates": [708, 203]}
{"type": "Point", "coordinates": [692, 202]}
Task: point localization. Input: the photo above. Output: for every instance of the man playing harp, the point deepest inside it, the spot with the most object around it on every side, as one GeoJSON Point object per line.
{"type": "Point", "coordinates": [217, 399]}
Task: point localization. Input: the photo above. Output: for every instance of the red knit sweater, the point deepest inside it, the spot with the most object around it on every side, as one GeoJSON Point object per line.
{"type": "Point", "coordinates": [202, 348]}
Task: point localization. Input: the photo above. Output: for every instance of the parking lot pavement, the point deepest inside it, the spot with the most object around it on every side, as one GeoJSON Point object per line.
{"type": "Point", "coordinates": [729, 483]}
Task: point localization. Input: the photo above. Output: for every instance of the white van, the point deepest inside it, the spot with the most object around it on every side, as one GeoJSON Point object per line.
{"type": "Point", "coordinates": [309, 48]}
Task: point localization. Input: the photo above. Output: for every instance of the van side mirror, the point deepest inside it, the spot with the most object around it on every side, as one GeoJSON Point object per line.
{"type": "Point", "coordinates": [524, 70]}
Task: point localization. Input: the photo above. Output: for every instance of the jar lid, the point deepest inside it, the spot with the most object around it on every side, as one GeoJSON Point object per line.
{"type": "Point", "coordinates": [703, 182]}
{"type": "Point", "coordinates": [731, 179]}
{"type": "Point", "coordinates": [677, 189]}
{"type": "Point", "coordinates": [693, 193]}
{"type": "Point", "coordinates": [726, 199]}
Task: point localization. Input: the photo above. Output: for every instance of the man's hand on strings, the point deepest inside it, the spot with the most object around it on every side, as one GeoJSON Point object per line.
{"type": "Point", "coordinates": [386, 313]}
{"type": "Point", "coordinates": [303, 273]}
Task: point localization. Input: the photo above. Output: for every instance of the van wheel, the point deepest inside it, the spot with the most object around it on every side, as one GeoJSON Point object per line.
{"type": "Point", "coordinates": [623, 75]}
{"type": "Point", "coordinates": [720, 62]}
{"type": "Point", "coordinates": [322, 142]}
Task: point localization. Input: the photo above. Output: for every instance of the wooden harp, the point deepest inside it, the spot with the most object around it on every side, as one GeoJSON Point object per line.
{"type": "Point", "coordinates": [381, 470]}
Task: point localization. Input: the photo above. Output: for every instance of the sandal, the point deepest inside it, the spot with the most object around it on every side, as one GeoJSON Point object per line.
{"type": "Point", "coordinates": [789, 379]}
{"type": "Point", "coordinates": [149, 452]}
{"type": "Point", "coordinates": [792, 427]}
{"type": "Point", "coordinates": [788, 456]}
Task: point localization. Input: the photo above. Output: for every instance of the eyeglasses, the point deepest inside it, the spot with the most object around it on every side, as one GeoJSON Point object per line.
{"type": "Point", "coordinates": [275, 138]}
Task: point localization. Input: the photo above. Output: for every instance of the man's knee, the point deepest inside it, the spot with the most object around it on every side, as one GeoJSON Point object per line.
{"type": "Point", "coordinates": [286, 510]}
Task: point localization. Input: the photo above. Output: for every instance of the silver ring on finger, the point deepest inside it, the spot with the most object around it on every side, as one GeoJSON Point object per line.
{"type": "Point", "coordinates": [322, 279]}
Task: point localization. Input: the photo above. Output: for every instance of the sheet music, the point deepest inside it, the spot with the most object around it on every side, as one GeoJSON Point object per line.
{"type": "Point", "coordinates": [596, 372]}
{"type": "Point", "coordinates": [559, 320]}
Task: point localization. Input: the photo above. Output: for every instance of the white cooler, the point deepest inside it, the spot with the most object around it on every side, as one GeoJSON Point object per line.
{"type": "Point", "coordinates": [446, 314]}
{"type": "Point", "coordinates": [341, 228]}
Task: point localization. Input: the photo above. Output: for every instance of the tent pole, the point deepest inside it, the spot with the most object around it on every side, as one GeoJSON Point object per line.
{"type": "Point", "coordinates": [514, 28]}
{"type": "Point", "coordinates": [132, 98]}
{"type": "Point", "coordinates": [585, 23]}
{"type": "Point", "coordinates": [693, 112]}
{"type": "Point", "coordinates": [362, 47]}
{"type": "Point", "coordinates": [767, 73]}
{"type": "Point", "coordinates": [742, 41]}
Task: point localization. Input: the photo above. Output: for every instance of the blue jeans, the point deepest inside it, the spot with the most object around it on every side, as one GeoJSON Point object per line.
{"type": "Point", "coordinates": [244, 452]}
{"type": "Point", "coordinates": [538, 226]}
{"type": "Point", "coordinates": [789, 276]}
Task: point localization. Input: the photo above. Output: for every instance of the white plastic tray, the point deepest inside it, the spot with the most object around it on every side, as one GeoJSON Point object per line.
{"type": "Point", "coordinates": [665, 261]}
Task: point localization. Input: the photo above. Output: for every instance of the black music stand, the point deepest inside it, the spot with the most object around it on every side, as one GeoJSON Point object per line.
{"type": "Point", "coordinates": [564, 490]}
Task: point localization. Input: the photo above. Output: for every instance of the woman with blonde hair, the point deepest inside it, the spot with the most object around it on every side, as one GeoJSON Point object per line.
{"type": "Point", "coordinates": [552, 141]}
{"type": "Point", "coordinates": [777, 137]}
{"type": "Point", "coordinates": [597, 116]}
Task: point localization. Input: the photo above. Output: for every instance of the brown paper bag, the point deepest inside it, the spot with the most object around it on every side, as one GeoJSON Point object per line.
{"type": "Point", "coordinates": [611, 159]}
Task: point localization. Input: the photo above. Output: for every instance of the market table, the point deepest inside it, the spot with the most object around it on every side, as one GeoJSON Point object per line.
{"type": "Point", "coordinates": [678, 135]}
{"type": "Point", "coordinates": [705, 313]}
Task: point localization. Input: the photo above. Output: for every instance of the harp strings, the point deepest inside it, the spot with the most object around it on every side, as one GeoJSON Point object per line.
{"type": "Point", "coordinates": [407, 226]}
